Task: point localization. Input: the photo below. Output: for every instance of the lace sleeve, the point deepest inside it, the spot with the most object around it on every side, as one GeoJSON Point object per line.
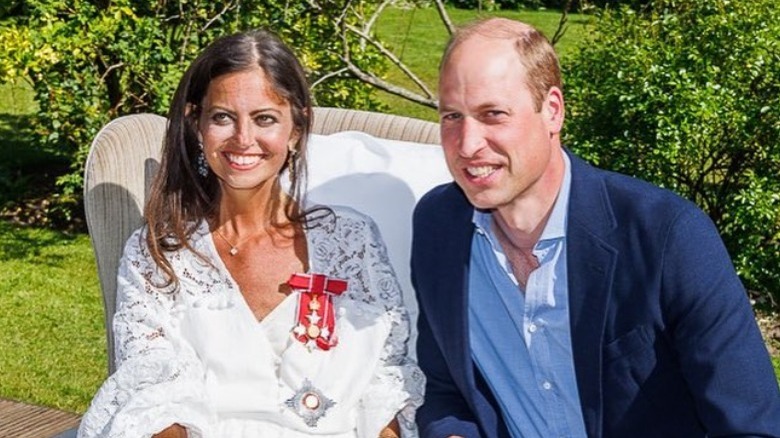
{"type": "Point", "coordinates": [159, 380]}
{"type": "Point", "coordinates": [398, 383]}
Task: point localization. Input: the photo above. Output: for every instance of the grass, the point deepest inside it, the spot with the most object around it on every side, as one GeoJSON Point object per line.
{"type": "Point", "coordinates": [52, 342]}
{"type": "Point", "coordinates": [418, 37]}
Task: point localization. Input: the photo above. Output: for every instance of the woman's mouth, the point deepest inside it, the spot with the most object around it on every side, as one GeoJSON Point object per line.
{"type": "Point", "coordinates": [242, 160]}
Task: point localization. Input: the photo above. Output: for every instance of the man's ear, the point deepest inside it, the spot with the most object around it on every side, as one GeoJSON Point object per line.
{"type": "Point", "coordinates": [554, 110]}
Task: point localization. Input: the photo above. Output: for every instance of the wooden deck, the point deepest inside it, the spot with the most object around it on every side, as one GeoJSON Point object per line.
{"type": "Point", "coordinates": [20, 420]}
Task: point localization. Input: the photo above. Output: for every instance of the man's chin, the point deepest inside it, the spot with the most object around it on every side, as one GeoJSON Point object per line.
{"type": "Point", "coordinates": [481, 201]}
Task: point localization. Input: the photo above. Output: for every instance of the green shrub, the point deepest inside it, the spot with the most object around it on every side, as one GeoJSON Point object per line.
{"type": "Point", "coordinates": [90, 62]}
{"type": "Point", "coordinates": [688, 96]}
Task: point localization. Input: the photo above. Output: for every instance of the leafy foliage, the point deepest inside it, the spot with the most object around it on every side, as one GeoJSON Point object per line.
{"type": "Point", "coordinates": [687, 95]}
{"type": "Point", "coordinates": [93, 60]}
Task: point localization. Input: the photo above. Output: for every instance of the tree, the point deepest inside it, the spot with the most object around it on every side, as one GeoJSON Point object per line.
{"type": "Point", "coordinates": [90, 61]}
{"type": "Point", "coordinates": [687, 94]}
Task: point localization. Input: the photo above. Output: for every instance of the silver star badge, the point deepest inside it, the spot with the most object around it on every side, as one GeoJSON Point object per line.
{"type": "Point", "coordinates": [309, 403]}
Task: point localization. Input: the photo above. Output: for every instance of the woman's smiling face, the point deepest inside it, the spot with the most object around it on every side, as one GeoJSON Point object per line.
{"type": "Point", "coordinates": [246, 130]}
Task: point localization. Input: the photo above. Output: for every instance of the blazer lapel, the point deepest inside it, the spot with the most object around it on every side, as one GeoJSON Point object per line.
{"type": "Point", "coordinates": [450, 267]}
{"type": "Point", "coordinates": [591, 263]}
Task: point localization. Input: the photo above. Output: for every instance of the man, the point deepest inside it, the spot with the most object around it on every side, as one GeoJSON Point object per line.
{"type": "Point", "coordinates": [557, 299]}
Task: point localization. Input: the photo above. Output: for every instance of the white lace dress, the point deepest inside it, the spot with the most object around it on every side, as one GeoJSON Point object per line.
{"type": "Point", "coordinates": [197, 356]}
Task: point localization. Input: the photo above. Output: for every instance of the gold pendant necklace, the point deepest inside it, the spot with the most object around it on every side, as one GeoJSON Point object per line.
{"type": "Point", "coordinates": [233, 248]}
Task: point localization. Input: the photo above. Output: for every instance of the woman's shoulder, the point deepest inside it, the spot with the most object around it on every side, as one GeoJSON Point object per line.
{"type": "Point", "coordinates": [138, 253]}
{"type": "Point", "coordinates": [138, 240]}
{"type": "Point", "coordinates": [338, 216]}
{"type": "Point", "coordinates": [322, 211]}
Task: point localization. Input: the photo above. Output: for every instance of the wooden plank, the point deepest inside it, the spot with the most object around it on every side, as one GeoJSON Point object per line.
{"type": "Point", "coordinates": [22, 420]}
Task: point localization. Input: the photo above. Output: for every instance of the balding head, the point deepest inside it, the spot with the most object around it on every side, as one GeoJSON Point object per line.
{"type": "Point", "coordinates": [535, 52]}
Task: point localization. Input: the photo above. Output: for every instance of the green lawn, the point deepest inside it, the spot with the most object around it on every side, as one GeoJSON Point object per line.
{"type": "Point", "coordinates": [52, 342]}
{"type": "Point", "coordinates": [52, 345]}
{"type": "Point", "coordinates": [418, 37]}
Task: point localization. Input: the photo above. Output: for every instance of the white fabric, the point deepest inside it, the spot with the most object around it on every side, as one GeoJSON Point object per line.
{"type": "Point", "coordinates": [383, 179]}
{"type": "Point", "coordinates": [198, 357]}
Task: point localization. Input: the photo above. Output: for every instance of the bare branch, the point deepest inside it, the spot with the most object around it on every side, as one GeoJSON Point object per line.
{"type": "Point", "coordinates": [328, 76]}
{"type": "Point", "coordinates": [186, 36]}
{"type": "Point", "coordinates": [109, 69]}
{"type": "Point", "coordinates": [314, 4]}
{"type": "Point", "coordinates": [445, 18]}
{"type": "Point", "coordinates": [341, 19]}
{"type": "Point", "coordinates": [393, 58]}
{"type": "Point", "coordinates": [375, 16]}
{"type": "Point", "coordinates": [561, 30]}
{"type": "Point", "coordinates": [216, 17]}
{"type": "Point", "coordinates": [390, 88]}
{"type": "Point", "coordinates": [185, 41]}
{"type": "Point", "coordinates": [371, 21]}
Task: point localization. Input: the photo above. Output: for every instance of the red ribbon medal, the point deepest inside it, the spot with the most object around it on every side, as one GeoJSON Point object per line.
{"type": "Point", "coordinates": [316, 319]}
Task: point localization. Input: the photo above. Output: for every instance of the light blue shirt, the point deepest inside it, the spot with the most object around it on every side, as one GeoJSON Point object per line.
{"type": "Point", "coordinates": [521, 342]}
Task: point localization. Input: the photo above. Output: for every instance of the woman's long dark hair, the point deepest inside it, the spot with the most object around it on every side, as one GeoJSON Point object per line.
{"type": "Point", "coordinates": [180, 198]}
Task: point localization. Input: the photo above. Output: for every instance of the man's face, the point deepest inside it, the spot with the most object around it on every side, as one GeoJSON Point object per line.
{"type": "Point", "coordinates": [498, 147]}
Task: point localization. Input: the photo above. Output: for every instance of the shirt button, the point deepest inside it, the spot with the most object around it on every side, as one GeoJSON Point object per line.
{"type": "Point", "coordinates": [532, 328]}
{"type": "Point", "coordinates": [547, 385]}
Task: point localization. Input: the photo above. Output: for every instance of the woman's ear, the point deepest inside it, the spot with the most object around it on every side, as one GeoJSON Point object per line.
{"type": "Point", "coordinates": [191, 111]}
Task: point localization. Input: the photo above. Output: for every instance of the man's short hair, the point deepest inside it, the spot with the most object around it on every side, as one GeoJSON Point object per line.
{"type": "Point", "coordinates": [537, 55]}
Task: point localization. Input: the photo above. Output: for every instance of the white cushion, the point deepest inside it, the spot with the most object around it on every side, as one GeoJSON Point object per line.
{"type": "Point", "coordinates": [383, 179]}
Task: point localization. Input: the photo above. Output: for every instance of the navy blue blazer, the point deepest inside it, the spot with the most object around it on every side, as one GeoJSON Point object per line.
{"type": "Point", "coordinates": [664, 338]}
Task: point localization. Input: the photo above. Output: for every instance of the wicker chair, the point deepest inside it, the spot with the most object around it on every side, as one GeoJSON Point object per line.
{"type": "Point", "coordinates": [125, 155]}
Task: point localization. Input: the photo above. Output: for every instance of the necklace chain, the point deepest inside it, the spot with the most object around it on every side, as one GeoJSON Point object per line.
{"type": "Point", "coordinates": [233, 248]}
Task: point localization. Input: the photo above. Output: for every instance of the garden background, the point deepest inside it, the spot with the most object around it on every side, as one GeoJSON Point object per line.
{"type": "Point", "coordinates": [683, 93]}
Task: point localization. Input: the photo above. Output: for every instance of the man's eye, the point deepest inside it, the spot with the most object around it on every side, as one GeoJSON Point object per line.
{"type": "Point", "coordinates": [450, 117]}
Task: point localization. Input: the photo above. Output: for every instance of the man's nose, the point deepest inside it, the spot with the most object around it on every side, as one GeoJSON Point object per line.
{"type": "Point", "coordinates": [472, 137]}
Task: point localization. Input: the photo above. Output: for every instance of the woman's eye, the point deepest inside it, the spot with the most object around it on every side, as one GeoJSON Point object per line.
{"type": "Point", "coordinates": [265, 120]}
{"type": "Point", "coordinates": [220, 118]}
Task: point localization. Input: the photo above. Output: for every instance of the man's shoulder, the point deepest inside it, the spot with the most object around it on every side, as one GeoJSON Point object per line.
{"type": "Point", "coordinates": [627, 194]}
{"type": "Point", "coordinates": [443, 210]}
{"type": "Point", "coordinates": [447, 196]}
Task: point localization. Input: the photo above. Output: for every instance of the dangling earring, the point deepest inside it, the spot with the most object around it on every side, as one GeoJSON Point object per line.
{"type": "Point", "coordinates": [202, 164]}
{"type": "Point", "coordinates": [291, 163]}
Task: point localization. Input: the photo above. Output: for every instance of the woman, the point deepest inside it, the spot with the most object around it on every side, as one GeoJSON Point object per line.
{"type": "Point", "coordinates": [239, 314]}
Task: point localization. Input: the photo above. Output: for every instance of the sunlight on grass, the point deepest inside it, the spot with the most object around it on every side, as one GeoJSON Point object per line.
{"type": "Point", "coordinates": [418, 37]}
{"type": "Point", "coordinates": [52, 345]}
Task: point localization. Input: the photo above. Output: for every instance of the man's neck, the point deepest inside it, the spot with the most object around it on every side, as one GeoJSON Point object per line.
{"type": "Point", "coordinates": [523, 220]}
